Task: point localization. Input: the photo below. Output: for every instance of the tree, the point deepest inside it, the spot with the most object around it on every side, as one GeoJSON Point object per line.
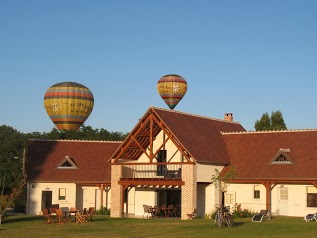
{"type": "Point", "coordinates": [220, 181]}
{"type": "Point", "coordinates": [267, 123]}
{"type": "Point", "coordinates": [12, 173]}
{"type": "Point", "coordinates": [277, 121]}
{"type": "Point", "coordinates": [11, 154]}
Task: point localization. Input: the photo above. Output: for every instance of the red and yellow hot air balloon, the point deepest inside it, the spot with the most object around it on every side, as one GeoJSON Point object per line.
{"type": "Point", "coordinates": [172, 89]}
{"type": "Point", "coordinates": [68, 104]}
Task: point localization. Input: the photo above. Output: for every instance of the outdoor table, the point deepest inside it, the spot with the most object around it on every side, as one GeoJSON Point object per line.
{"type": "Point", "coordinates": [69, 214]}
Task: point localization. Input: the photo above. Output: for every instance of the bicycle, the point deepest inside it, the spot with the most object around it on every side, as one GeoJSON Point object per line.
{"type": "Point", "coordinates": [223, 217]}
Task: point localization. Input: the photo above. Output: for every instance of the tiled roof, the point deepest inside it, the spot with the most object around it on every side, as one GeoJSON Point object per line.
{"type": "Point", "coordinates": [91, 158]}
{"type": "Point", "coordinates": [201, 136]}
{"type": "Point", "coordinates": [251, 153]}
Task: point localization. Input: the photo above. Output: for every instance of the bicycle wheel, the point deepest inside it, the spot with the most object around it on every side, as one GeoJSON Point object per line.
{"type": "Point", "coordinates": [216, 219]}
{"type": "Point", "coordinates": [231, 220]}
{"type": "Point", "coordinates": [222, 220]}
{"type": "Point", "coordinates": [228, 222]}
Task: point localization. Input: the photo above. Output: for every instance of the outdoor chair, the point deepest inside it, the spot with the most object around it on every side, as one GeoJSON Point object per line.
{"type": "Point", "coordinates": [170, 210]}
{"type": "Point", "coordinates": [157, 211]}
{"type": "Point", "coordinates": [90, 213]}
{"type": "Point", "coordinates": [81, 218]}
{"type": "Point", "coordinates": [175, 211]}
{"type": "Point", "coordinates": [311, 217]}
{"type": "Point", "coordinates": [145, 211]}
{"type": "Point", "coordinates": [47, 216]}
{"type": "Point", "coordinates": [164, 209]}
{"type": "Point", "coordinates": [59, 216]}
{"type": "Point", "coordinates": [53, 208]}
{"type": "Point", "coordinates": [192, 215]}
{"type": "Point", "coordinates": [259, 217]}
{"type": "Point", "coordinates": [85, 211]}
{"type": "Point", "coordinates": [151, 211]}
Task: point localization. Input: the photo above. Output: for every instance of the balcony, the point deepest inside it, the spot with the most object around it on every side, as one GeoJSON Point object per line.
{"type": "Point", "coordinates": [152, 171]}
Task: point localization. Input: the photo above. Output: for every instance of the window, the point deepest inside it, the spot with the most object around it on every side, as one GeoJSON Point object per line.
{"type": "Point", "coordinates": [311, 196]}
{"type": "Point", "coordinates": [62, 194]}
{"type": "Point", "coordinates": [256, 191]}
{"type": "Point", "coordinates": [284, 194]}
{"type": "Point", "coordinates": [229, 198]}
{"type": "Point", "coordinates": [67, 163]}
{"type": "Point", "coordinates": [282, 157]}
{"type": "Point", "coordinates": [161, 158]}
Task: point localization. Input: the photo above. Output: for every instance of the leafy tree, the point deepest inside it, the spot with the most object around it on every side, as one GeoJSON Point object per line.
{"type": "Point", "coordinates": [277, 121]}
{"type": "Point", "coordinates": [11, 153]}
{"type": "Point", "coordinates": [269, 123]}
{"type": "Point", "coordinates": [12, 174]}
{"type": "Point", "coordinates": [220, 181]}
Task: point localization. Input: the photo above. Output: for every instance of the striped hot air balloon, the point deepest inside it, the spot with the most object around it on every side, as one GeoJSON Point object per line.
{"type": "Point", "coordinates": [68, 104]}
{"type": "Point", "coordinates": [172, 89]}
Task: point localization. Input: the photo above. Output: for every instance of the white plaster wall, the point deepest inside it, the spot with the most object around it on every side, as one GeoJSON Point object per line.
{"type": "Point", "coordinates": [295, 206]}
{"type": "Point", "coordinates": [173, 155]}
{"type": "Point", "coordinates": [205, 199]}
{"type": "Point", "coordinates": [143, 196]}
{"type": "Point", "coordinates": [244, 195]}
{"type": "Point", "coordinates": [107, 199]}
{"type": "Point", "coordinates": [131, 201]}
{"type": "Point", "coordinates": [34, 198]}
{"type": "Point", "coordinates": [205, 172]}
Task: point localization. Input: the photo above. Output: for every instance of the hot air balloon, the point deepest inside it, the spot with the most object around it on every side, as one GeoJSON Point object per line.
{"type": "Point", "coordinates": [172, 89]}
{"type": "Point", "coordinates": [68, 104]}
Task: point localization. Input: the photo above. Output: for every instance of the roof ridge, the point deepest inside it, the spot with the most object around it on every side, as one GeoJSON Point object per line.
{"type": "Point", "coordinates": [74, 140]}
{"type": "Point", "coordinates": [195, 115]}
{"type": "Point", "coordinates": [267, 131]}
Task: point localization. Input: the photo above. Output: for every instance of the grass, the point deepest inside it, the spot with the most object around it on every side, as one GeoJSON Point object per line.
{"type": "Point", "coordinates": [104, 226]}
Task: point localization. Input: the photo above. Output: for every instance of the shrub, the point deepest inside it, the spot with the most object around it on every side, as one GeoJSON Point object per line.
{"type": "Point", "coordinates": [103, 211]}
{"type": "Point", "coordinates": [238, 212]}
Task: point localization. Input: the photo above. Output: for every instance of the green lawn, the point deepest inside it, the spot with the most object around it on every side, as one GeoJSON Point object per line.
{"type": "Point", "coordinates": [104, 226]}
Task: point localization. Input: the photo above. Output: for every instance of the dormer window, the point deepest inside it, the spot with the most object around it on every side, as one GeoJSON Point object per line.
{"type": "Point", "coordinates": [67, 163]}
{"type": "Point", "coordinates": [282, 157]}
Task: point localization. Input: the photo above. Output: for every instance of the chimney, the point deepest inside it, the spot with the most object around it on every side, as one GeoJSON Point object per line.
{"type": "Point", "coordinates": [228, 116]}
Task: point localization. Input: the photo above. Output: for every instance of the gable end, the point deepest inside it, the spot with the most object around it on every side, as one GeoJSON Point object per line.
{"type": "Point", "coordinates": [67, 163]}
{"type": "Point", "coordinates": [282, 157]}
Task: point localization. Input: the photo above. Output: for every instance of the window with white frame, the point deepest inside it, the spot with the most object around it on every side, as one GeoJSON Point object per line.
{"type": "Point", "coordinates": [311, 196]}
{"type": "Point", "coordinates": [256, 191]}
{"type": "Point", "coordinates": [284, 194]}
{"type": "Point", "coordinates": [230, 198]}
{"type": "Point", "coordinates": [62, 194]}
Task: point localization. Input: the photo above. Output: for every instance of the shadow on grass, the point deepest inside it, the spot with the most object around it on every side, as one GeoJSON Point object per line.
{"type": "Point", "coordinates": [22, 218]}
{"type": "Point", "coordinates": [238, 223]}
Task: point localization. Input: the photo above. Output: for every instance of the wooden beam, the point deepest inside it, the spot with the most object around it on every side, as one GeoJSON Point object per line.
{"type": "Point", "coordinates": [151, 138]}
{"type": "Point", "coordinates": [101, 195]}
{"type": "Point", "coordinates": [268, 187]}
{"type": "Point", "coordinates": [144, 151]}
{"type": "Point", "coordinates": [124, 147]}
{"type": "Point", "coordinates": [134, 182]}
{"type": "Point", "coordinates": [171, 137]}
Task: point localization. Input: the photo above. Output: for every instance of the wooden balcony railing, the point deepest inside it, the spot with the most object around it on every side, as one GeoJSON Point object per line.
{"type": "Point", "coordinates": [153, 170]}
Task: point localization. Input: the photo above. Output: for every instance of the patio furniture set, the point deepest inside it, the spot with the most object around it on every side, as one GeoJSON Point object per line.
{"type": "Point", "coordinates": [64, 215]}
{"type": "Point", "coordinates": [161, 211]}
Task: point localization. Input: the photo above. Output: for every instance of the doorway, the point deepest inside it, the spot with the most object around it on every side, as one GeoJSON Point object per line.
{"type": "Point", "coordinates": [282, 204]}
{"type": "Point", "coordinates": [168, 197]}
{"type": "Point", "coordinates": [46, 199]}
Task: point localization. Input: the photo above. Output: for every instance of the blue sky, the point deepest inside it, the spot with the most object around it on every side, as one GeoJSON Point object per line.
{"type": "Point", "coordinates": [244, 57]}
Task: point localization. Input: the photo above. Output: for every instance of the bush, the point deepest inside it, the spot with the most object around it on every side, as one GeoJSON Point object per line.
{"type": "Point", "coordinates": [238, 212]}
{"type": "Point", "coordinates": [103, 211]}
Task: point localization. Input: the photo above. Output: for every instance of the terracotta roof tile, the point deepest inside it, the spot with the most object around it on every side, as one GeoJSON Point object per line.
{"type": "Point", "coordinates": [201, 136]}
{"type": "Point", "coordinates": [91, 157]}
{"type": "Point", "coordinates": [251, 153]}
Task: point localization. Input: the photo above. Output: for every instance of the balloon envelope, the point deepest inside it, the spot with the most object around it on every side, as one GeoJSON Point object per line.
{"type": "Point", "coordinates": [68, 104]}
{"type": "Point", "coordinates": [172, 89]}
